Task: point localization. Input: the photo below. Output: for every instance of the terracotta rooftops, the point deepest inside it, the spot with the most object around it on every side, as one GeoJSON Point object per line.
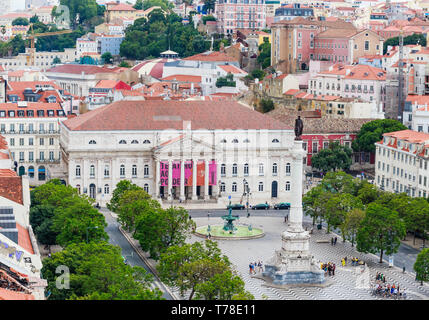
{"type": "Point", "coordinates": [82, 68]}
{"type": "Point", "coordinates": [409, 135]}
{"type": "Point", "coordinates": [162, 115]}
{"type": "Point", "coordinates": [211, 56]}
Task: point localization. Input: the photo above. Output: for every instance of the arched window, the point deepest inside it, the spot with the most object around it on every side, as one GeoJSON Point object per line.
{"type": "Point", "coordinates": [223, 170]}
{"type": "Point", "coordinates": [146, 187]}
{"type": "Point", "coordinates": [122, 142]}
{"type": "Point", "coordinates": [234, 187]}
{"type": "Point", "coordinates": [134, 171]}
{"type": "Point", "coordinates": [134, 142]}
{"type": "Point", "coordinates": [122, 171]}
{"type": "Point", "coordinates": [288, 169]}
{"type": "Point", "coordinates": [92, 142]}
{"type": "Point", "coordinates": [235, 141]}
{"type": "Point", "coordinates": [92, 171]}
{"type": "Point", "coordinates": [146, 171]}
{"type": "Point", "coordinates": [31, 171]}
{"type": "Point", "coordinates": [222, 187]}
{"type": "Point", "coordinates": [234, 170]}
{"type": "Point", "coordinates": [106, 171]}
{"type": "Point", "coordinates": [223, 141]}
{"type": "Point", "coordinates": [287, 186]}
{"type": "Point", "coordinates": [261, 186]}
{"type": "Point", "coordinates": [246, 169]}
{"type": "Point", "coordinates": [42, 173]}
{"type": "Point", "coordinates": [77, 171]}
{"type": "Point", "coordinates": [275, 141]}
{"type": "Point", "coordinates": [78, 188]}
{"type": "Point", "coordinates": [146, 142]}
{"type": "Point", "coordinates": [261, 169]}
{"type": "Point", "coordinates": [106, 189]}
{"type": "Point", "coordinates": [274, 169]}
{"type": "Point", "coordinates": [246, 140]}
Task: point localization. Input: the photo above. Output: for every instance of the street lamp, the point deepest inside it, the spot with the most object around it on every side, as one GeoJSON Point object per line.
{"type": "Point", "coordinates": [96, 227]}
{"type": "Point", "coordinates": [246, 193]}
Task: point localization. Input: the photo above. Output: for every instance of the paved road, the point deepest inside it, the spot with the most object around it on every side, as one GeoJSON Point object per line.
{"type": "Point", "coordinates": [128, 252]}
{"type": "Point", "coordinates": [406, 256]}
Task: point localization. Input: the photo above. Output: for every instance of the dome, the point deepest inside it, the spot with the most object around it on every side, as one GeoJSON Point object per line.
{"type": "Point", "coordinates": [153, 67]}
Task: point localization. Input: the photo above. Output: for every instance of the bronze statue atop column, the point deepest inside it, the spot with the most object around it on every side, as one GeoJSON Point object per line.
{"type": "Point", "coordinates": [299, 126]}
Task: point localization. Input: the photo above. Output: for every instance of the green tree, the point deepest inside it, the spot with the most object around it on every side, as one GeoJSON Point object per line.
{"type": "Point", "coordinates": [372, 132]}
{"type": "Point", "coordinates": [81, 11]}
{"type": "Point", "coordinates": [417, 217]}
{"type": "Point", "coordinates": [380, 231]}
{"type": "Point", "coordinates": [368, 192]}
{"type": "Point", "coordinates": [221, 286]}
{"type": "Point", "coordinates": [132, 204]}
{"type": "Point", "coordinates": [97, 271]}
{"type": "Point", "coordinates": [266, 105]}
{"type": "Point", "coordinates": [20, 22]}
{"type": "Point", "coordinates": [209, 6]}
{"type": "Point", "coordinates": [17, 45]}
{"type": "Point", "coordinates": [121, 187]}
{"type": "Point", "coordinates": [204, 19]}
{"type": "Point", "coordinates": [138, 5]}
{"type": "Point", "coordinates": [53, 193]}
{"type": "Point", "coordinates": [337, 209]}
{"type": "Point", "coordinates": [56, 60]}
{"type": "Point", "coordinates": [157, 229]}
{"type": "Point", "coordinates": [333, 158]}
{"type": "Point", "coordinates": [79, 222]}
{"type": "Point", "coordinates": [201, 269]}
{"type": "Point", "coordinates": [41, 222]}
{"type": "Point", "coordinates": [421, 266]}
{"type": "Point", "coordinates": [416, 38]}
{"type": "Point", "coordinates": [164, 4]}
{"type": "Point", "coordinates": [187, 3]}
{"type": "Point", "coordinates": [225, 81]}
{"type": "Point", "coordinates": [264, 57]}
{"type": "Point", "coordinates": [124, 64]}
{"type": "Point", "coordinates": [260, 74]}
{"type": "Point", "coordinates": [34, 19]}
{"type": "Point", "coordinates": [352, 224]}
{"type": "Point", "coordinates": [107, 57]}
{"type": "Point", "coordinates": [311, 205]}
{"type": "Point", "coordinates": [339, 182]}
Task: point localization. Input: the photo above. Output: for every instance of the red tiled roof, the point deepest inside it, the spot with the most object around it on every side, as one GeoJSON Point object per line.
{"type": "Point", "coordinates": [409, 135]}
{"type": "Point", "coordinates": [11, 186]}
{"type": "Point", "coordinates": [182, 78]}
{"type": "Point", "coordinates": [122, 7]}
{"type": "Point", "coordinates": [31, 106]}
{"type": "Point", "coordinates": [291, 92]}
{"type": "Point", "coordinates": [231, 69]}
{"type": "Point", "coordinates": [14, 295]}
{"type": "Point", "coordinates": [24, 238]}
{"type": "Point", "coordinates": [155, 115]}
{"type": "Point", "coordinates": [79, 68]}
{"type": "Point", "coordinates": [211, 56]}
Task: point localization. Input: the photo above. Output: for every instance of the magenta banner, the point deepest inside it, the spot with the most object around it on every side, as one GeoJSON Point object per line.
{"type": "Point", "coordinates": [176, 174]}
{"type": "Point", "coordinates": [188, 173]}
{"type": "Point", "coordinates": [164, 173]}
{"type": "Point", "coordinates": [212, 173]}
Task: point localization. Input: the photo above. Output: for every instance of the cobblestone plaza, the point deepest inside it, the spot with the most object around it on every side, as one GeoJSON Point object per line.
{"type": "Point", "coordinates": [349, 282]}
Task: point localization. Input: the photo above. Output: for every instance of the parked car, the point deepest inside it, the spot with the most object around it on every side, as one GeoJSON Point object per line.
{"type": "Point", "coordinates": [261, 206]}
{"type": "Point", "coordinates": [282, 206]}
{"type": "Point", "coordinates": [235, 206]}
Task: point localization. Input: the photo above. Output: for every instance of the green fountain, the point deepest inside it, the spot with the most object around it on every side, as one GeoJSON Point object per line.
{"type": "Point", "coordinates": [229, 221]}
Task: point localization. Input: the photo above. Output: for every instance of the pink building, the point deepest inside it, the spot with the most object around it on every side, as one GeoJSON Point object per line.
{"type": "Point", "coordinates": [240, 14]}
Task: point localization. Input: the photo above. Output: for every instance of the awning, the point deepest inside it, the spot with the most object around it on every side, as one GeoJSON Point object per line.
{"type": "Point", "coordinates": [30, 169]}
{"type": "Point", "coordinates": [41, 169]}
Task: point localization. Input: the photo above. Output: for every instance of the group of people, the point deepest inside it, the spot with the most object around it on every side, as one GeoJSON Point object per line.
{"type": "Point", "coordinates": [329, 268]}
{"type": "Point", "coordinates": [356, 262]}
{"type": "Point", "coordinates": [333, 241]}
{"type": "Point", "coordinates": [380, 288]}
{"type": "Point", "coordinates": [256, 267]}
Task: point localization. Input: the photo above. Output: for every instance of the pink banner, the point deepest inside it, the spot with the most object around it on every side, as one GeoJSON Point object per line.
{"type": "Point", "coordinates": [188, 173]}
{"type": "Point", "coordinates": [176, 174]}
{"type": "Point", "coordinates": [164, 173]}
{"type": "Point", "coordinates": [212, 173]}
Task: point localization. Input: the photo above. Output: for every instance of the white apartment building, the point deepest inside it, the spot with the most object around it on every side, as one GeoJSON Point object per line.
{"type": "Point", "coordinates": [42, 59]}
{"type": "Point", "coordinates": [228, 145]}
{"type": "Point", "coordinates": [401, 163]}
{"type": "Point", "coordinates": [32, 133]}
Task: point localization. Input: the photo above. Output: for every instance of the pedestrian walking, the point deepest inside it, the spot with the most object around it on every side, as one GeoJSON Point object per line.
{"type": "Point", "coordinates": [333, 269]}
{"type": "Point", "coordinates": [250, 268]}
{"type": "Point", "coordinates": [332, 241]}
{"type": "Point", "coordinates": [403, 269]}
{"type": "Point", "coordinates": [335, 241]}
{"type": "Point", "coordinates": [345, 259]}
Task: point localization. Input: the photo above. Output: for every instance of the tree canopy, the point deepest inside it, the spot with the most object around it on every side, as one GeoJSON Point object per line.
{"type": "Point", "coordinates": [82, 11]}
{"type": "Point", "coordinates": [416, 38]}
{"type": "Point", "coordinates": [421, 266]}
{"type": "Point", "coordinates": [147, 38]}
{"type": "Point", "coordinates": [20, 22]}
{"type": "Point", "coordinates": [201, 269]}
{"type": "Point", "coordinates": [264, 57]}
{"type": "Point", "coordinates": [334, 157]}
{"type": "Point", "coordinates": [372, 132]}
{"type": "Point", "coordinates": [97, 271]}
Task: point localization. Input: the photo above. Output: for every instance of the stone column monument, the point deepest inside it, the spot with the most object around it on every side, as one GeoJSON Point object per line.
{"type": "Point", "coordinates": [293, 263]}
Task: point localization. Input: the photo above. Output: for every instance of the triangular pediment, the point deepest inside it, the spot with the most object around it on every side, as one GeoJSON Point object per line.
{"type": "Point", "coordinates": [185, 144]}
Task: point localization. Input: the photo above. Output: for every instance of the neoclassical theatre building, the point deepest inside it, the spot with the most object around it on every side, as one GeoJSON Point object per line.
{"type": "Point", "coordinates": [193, 151]}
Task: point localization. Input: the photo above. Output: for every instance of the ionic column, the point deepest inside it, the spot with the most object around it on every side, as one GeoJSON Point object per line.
{"type": "Point", "coordinates": [157, 178]}
{"type": "Point", "coordinates": [206, 179]}
{"type": "Point", "coordinates": [194, 179]}
{"type": "Point", "coordinates": [170, 178]}
{"type": "Point", "coordinates": [182, 180]}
